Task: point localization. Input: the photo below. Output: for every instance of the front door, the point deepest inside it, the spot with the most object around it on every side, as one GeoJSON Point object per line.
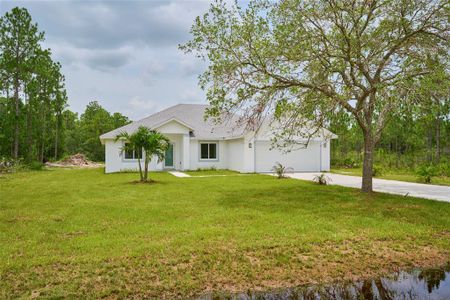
{"type": "Point", "coordinates": [168, 159]}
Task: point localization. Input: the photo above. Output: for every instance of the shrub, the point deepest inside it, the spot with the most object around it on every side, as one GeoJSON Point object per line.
{"type": "Point", "coordinates": [6, 165]}
{"type": "Point", "coordinates": [129, 170]}
{"type": "Point", "coordinates": [426, 173]}
{"type": "Point", "coordinates": [349, 163]}
{"type": "Point", "coordinates": [377, 170]}
{"type": "Point", "coordinates": [443, 169]}
{"type": "Point", "coordinates": [322, 179]}
{"type": "Point", "coordinates": [281, 170]}
{"type": "Point", "coordinates": [35, 166]}
{"type": "Point", "coordinates": [9, 165]}
{"type": "Point", "coordinates": [213, 168]}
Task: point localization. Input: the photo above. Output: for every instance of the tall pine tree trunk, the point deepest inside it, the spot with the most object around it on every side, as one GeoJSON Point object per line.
{"type": "Point", "coordinates": [16, 118]}
{"type": "Point", "coordinates": [29, 135]}
{"type": "Point", "coordinates": [44, 128]}
{"type": "Point", "coordinates": [368, 162]}
{"type": "Point", "coordinates": [430, 144]}
{"type": "Point", "coordinates": [57, 136]}
{"type": "Point", "coordinates": [29, 131]}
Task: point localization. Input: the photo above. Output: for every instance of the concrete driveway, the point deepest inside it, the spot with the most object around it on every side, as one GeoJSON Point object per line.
{"type": "Point", "coordinates": [434, 192]}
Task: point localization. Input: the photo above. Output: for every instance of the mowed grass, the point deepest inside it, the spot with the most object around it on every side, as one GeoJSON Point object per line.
{"type": "Point", "coordinates": [84, 234]}
{"type": "Point", "coordinates": [400, 175]}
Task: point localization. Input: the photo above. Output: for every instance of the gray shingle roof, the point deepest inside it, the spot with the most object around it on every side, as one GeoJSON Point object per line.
{"type": "Point", "coordinates": [191, 115]}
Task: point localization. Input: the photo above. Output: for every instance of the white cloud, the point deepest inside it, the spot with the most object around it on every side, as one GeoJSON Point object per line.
{"type": "Point", "coordinates": [144, 105]}
{"type": "Point", "coordinates": [152, 70]}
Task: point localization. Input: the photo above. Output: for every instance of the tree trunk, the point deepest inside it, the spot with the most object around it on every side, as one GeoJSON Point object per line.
{"type": "Point", "coordinates": [44, 128]}
{"type": "Point", "coordinates": [146, 168]}
{"type": "Point", "coordinates": [140, 169]}
{"type": "Point", "coordinates": [438, 139]}
{"type": "Point", "coordinates": [10, 137]}
{"type": "Point", "coordinates": [29, 131]}
{"type": "Point", "coordinates": [430, 144]}
{"type": "Point", "coordinates": [16, 119]}
{"type": "Point", "coordinates": [41, 150]}
{"type": "Point", "coordinates": [56, 137]}
{"type": "Point", "coordinates": [367, 163]}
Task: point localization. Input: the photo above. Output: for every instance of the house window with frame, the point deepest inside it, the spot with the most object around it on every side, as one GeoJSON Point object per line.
{"type": "Point", "coordinates": [208, 151]}
{"type": "Point", "coordinates": [132, 154]}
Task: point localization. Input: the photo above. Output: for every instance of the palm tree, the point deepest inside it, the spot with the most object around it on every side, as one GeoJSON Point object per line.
{"type": "Point", "coordinates": [151, 142]}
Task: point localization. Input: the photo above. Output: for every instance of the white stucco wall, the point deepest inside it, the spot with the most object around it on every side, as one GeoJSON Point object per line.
{"type": "Point", "coordinates": [197, 163]}
{"type": "Point", "coordinates": [325, 155]}
{"type": "Point", "coordinates": [115, 160]}
{"type": "Point", "coordinates": [249, 154]}
{"type": "Point", "coordinates": [235, 157]}
{"type": "Point", "coordinates": [299, 159]}
{"type": "Point", "coordinates": [232, 154]}
{"type": "Point", "coordinates": [173, 127]}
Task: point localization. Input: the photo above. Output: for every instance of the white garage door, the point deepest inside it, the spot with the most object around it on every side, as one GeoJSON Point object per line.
{"type": "Point", "coordinates": [300, 159]}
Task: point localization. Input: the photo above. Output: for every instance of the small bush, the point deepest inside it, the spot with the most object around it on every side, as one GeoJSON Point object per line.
{"type": "Point", "coordinates": [443, 169]}
{"type": "Point", "coordinates": [281, 170]}
{"type": "Point", "coordinates": [349, 163]}
{"type": "Point", "coordinates": [35, 166]}
{"type": "Point", "coordinates": [377, 170]}
{"type": "Point", "coordinates": [426, 173]}
{"type": "Point", "coordinates": [129, 170]}
{"type": "Point", "coordinates": [322, 179]}
{"type": "Point", "coordinates": [213, 168]}
{"type": "Point", "coordinates": [9, 165]}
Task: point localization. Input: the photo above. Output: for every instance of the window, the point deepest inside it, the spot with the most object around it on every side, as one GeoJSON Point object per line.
{"type": "Point", "coordinates": [132, 154]}
{"type": "Point", "coordinates": [208, 150]}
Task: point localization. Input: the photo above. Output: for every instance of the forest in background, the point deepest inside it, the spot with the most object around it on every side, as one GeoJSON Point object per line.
{"type": "Point", "coordinates": [416, 136]}
{"type": "Point", "coordinates": [36, 124]}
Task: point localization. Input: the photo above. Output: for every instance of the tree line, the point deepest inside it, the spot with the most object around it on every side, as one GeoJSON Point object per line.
{"type": "Point", "coordinates": [35, 122]}
{"type": "Point", "coordinates": [413, 139]}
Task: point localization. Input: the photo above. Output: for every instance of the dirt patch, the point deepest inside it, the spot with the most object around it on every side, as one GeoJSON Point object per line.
{"type": "Point", "coordinates": [77, 160]}
{"type": "Point", "coordinates": [148, 181]}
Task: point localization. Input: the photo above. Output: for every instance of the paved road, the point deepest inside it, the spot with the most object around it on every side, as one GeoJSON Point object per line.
{"type": "Point", "coordinates": [434, 192]}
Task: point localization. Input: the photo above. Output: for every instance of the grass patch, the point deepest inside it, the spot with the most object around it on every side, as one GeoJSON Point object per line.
{"type": "Point", "coordinates": [83, 234]}
{"type": "Point", "coordinates": [400, 175]}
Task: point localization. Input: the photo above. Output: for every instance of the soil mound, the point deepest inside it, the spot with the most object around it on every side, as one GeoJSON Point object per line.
{"type": "Point", "coordinates": [76, 160]}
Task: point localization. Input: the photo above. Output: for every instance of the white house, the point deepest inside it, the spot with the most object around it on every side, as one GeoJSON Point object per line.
{"type": "Point", "coordinates": [196, 143]}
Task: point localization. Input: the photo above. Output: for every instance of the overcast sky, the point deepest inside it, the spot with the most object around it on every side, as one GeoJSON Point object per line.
{"type": "Point", "coordinates": [123, 54]}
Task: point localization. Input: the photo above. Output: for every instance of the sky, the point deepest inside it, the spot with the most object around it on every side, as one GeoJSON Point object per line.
{"type": "Point", "coordinates": [123, 54]}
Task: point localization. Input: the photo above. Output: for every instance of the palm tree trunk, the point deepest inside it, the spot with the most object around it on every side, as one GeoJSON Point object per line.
{"type": "Point", "coordinates": [146, 168]}
{"type": "Point", "coordinates": [140, 169]}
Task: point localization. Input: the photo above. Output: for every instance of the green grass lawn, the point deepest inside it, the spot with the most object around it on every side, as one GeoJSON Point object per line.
{"type": "Point", "coordinates": [400, 175]}
{"type": "Point", "coordinates": [84, 234]}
